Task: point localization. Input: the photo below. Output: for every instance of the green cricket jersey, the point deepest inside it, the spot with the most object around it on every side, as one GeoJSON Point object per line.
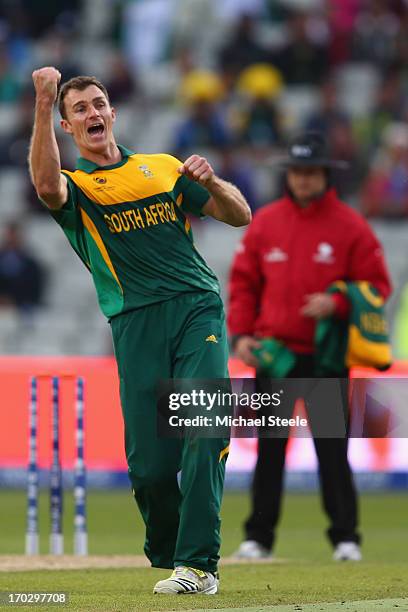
{"type": "Point", "coordinates": [128, 225]}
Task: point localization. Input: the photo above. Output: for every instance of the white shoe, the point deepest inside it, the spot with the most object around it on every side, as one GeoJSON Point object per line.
{"type": "Point", "coordinates": [188, 581]}
{"type": "Point", "coordinates": [347, 551]}
{"type": "Point", "coordinates": [251, 549]}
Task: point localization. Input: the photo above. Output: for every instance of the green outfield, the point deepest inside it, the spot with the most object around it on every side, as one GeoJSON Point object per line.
{"type": "Point", "coordinates": [303, 573]}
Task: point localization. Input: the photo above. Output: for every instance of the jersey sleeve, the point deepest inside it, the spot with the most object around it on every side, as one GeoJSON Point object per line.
{"type": "Point", "coordinates": [69, 219]}
{"type": "Point", "coordinates": [194, 196]}
{"type": "Point", "coordinates": [67, 216]}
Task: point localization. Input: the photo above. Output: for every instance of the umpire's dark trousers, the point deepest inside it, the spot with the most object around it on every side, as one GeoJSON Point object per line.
{"type": "Point", "coordinates": [336, 482]}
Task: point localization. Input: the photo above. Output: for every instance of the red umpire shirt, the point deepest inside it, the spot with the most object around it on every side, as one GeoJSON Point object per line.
{"type": "Point", "coordinates": [289, 252]}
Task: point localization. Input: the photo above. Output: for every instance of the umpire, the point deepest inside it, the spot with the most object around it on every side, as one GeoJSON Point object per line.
{"type": "Point", "coordinates": [295, 248]}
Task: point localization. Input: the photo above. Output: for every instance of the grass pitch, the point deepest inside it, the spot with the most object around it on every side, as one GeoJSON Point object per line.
{"type": "Point", "coordinates": [304, 574]}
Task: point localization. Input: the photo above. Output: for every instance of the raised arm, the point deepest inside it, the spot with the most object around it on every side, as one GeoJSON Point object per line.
{"type": "Point", "coordinates": [44, 157]}
{"type": "Point", "coordinates": [226, 203]}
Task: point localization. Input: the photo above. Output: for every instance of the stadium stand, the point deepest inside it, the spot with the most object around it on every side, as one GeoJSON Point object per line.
{"type": "Point", "coordinates": [95, 36]}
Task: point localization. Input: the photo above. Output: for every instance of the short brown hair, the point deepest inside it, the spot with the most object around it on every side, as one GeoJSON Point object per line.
{"type": "Point", "coordinates": [80, 83]}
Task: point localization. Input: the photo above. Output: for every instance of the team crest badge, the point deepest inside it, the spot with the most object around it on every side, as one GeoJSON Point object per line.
{"type": "Point", "coordinates": [146, 171]}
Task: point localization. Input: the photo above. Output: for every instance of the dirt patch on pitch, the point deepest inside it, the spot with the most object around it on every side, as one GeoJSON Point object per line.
{"type": "Point", "coordinates": [22, 563]}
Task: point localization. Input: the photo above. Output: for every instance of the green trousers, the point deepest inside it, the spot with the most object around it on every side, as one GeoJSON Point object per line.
{"type": "Point", "coordinates": [173, 339]}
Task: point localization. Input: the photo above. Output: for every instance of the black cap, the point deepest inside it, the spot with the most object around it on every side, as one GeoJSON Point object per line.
{"type": "Point", "coordinates": [310, 149]}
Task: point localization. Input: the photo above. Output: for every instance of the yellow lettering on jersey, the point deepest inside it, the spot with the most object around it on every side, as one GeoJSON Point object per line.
{"type": "Point", "coordinates": [109, 223]}
{"type": "Point", "coordinates": [161, 212]}
{"type": "Point", "coordinates": [116, 223]}
{"type": "Point", "coordinates": [149, 218]}
{"type": "Point", "coordinates": [153, 212]}
{"type": "Point", "coordinates": [373, 323]}
{"type": "Point", "coordinates": [125, 222]}
{"type": "Point", "coordinates": [128, 213]}
{"type": "Point", "coordinates": [170, 210]}
{"type": "Point", "coordinates": [137, 215]}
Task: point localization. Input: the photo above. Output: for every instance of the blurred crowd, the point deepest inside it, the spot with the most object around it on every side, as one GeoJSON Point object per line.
{"type": "Point", "coordinates": [241, 77]}
{"type": "Point", "coordinates": [233, 79]}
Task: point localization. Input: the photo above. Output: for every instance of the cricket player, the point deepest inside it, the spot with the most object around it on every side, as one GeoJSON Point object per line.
{"type": "Point", "coordinates": [124, 214]}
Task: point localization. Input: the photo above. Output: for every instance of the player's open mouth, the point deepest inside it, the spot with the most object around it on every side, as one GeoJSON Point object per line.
{"type": "Point", "coordinates": [96, 129]}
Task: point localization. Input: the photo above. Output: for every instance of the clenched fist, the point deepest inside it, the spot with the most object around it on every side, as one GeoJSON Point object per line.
{"type": "Point", "coordinates": [198, 169]}
{"type": "Point", "coordinates": [46, 83]}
